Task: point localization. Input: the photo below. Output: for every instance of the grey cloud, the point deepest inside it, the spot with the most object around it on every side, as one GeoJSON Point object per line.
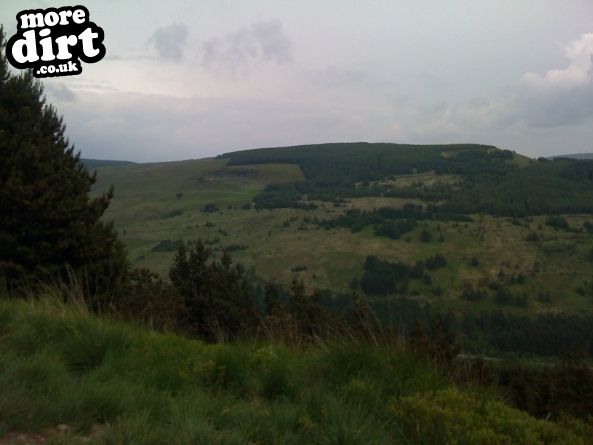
{"type": "Point", "coordinates": [557, 108]}
{"type": "Point", "coordinates": [559, 97]}
{"type": "Point", "coordinates": [169, 41]}
{"type": "Point", "coordinates": [261, 42]}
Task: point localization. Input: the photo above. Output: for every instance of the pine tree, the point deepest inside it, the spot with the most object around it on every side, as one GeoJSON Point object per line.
{"type": "Point", "coordinates": [49, 226]}
{"type": "Point", "coordinates": [216, 294]}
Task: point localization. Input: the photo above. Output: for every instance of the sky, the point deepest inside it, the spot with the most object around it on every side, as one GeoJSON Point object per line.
{"type": "Point", "coordinates": [193, 79]}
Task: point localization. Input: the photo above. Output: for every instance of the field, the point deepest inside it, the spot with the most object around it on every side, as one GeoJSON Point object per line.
{"type": "Point", "coordinates": [210, 200]}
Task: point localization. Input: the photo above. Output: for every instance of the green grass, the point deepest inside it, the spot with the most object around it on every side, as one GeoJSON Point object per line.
{"type": "Point", "coordinates": [60, 365]}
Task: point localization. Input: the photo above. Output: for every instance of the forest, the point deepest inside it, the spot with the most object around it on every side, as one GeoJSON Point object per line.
{"type": "Point", "coordinates": [492, 181]}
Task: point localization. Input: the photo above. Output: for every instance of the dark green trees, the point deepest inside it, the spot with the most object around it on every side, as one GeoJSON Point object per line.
{"type": "Point", "coordinates": [47, 220]}
{"type": "Point", "coordinates": [216, 295]}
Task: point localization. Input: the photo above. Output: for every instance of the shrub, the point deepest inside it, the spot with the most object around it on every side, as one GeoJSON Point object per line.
{"type": "Point", "coordinates": [557, 222]}
{"type": "Point", "coordinates": [235, 247]}
{"type": "Point", "coordinates": [425, 236]}
{"type": "Point", "coordinates": [216, 293]}
{"type": "Point", "coordinates": [384, 277]}
{"type": "Point", "coordinates": [166, 246]}
{"type": "Point", "coordinates": [151, 301]}
{"type": "Point", "coordinates": [174, 213]}
{"type": "Point", "coordinates": [210, 208]}
{"type": "Point", "coordinates": [473, 295]}
{"type": "Point", "coordinates": [532, 237]}
{"type": "Point", "coordinates": [450, 416]}
{"type": "Point", "coordinates": [436, 262]}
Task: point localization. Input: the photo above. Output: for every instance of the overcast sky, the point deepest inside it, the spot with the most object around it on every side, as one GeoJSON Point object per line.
{"type": "Point", "coordinates": [191, 79]}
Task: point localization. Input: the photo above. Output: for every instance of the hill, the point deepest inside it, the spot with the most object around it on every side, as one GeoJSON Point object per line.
{"type": "Point", "coordinates": [71, 378]}
{"type": "Point", "coordinates": [516, 234]}
{"type": "Point", "coordinates": [584, 156]}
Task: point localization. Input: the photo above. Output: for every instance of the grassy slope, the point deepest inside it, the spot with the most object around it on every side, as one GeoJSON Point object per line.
{"type": "Point", "coordinates": [61, 366]}
{"type": "Point", "coordinates": [279, 241]}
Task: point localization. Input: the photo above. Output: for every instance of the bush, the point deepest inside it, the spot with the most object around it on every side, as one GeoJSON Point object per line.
{"type": "Point", "coordinates": [557, 222]}
{"type": "Point", "coordinates": [151, 301]}
{"type": "Point", "coordinates": [216, 293]}
{"type": "Point", "coordinates": [210, 208]}
{"type": "Point", "coordinates": [425, 236]}
{"type": "Point", "coordinates": [395, 229]}
{"type": "Point", "coordinates": [504, 297]}
{"type": "Point", "coordinates": [436, 262]}
{"type": "Point", "coordinates": [384, 277]}
{"type": "Point", "coordinates": [473, 295]}
{"type": "Point", "coordinates": [532, 237]}
{"type": "Point", "coordinates": [174, 213]}
{"type": "Point", "coordinates": [450, 416]}
{"type": "Point", "coordinates": [235, 247]}
{"type": "Point", "coordinates": [166, 246]}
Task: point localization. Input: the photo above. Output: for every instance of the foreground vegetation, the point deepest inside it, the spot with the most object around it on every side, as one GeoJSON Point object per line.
{"type": "Point", "coordinates": [114, 383]}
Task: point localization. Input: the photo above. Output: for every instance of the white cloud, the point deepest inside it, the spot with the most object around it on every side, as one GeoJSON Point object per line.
{"type": "Point", "coordinates": [578, 73]}
{"type": "Point", "coordinates": [562, 96]}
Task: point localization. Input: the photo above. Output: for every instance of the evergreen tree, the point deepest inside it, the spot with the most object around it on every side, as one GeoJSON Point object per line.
{"type": "Point", "coordinates": [48, 224]}
{"type": "Point", "coordinates": [272, 300]}
{"type": "Point", "coordinates": [216, 294]}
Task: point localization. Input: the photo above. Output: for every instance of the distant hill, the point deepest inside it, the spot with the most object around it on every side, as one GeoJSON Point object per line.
{"type": "Point", "coordinates": [93, 164]}
{"type": "Point", "coordinates": [583, 156]}
{"type": "Point", "coordinates": [316, 213]}
{"type": "Point", "coordinates": [496, 182]}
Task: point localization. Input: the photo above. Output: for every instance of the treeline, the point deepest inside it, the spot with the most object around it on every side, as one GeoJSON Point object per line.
{"type": "Point", "coordinates": [491, 183]}
{"type": "Point", "coordinates": [210, 297]}
{"type": "Point", "coordinates": [330, 165]}
{"type": "Point", "coordinates": [495, 332]}
{"type": "Point", "coordinates": [390, 222]}
{"type": "Point", "coordinates": [278, 196]}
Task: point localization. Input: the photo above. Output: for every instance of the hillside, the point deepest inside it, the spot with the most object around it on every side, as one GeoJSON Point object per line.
{"type": "Point", "coordinates": [582, 156]}
{"type": "Point", "coordinates": [280, 213]}
{"type": "Point", "coordinates": [93, 164]}
{"type": "Point", "coordinates": [107, 382]}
